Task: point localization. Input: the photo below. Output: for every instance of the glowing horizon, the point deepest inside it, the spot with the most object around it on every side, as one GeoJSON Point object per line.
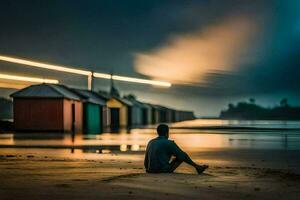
{"type": "Point", "coordinates": [83, 72]}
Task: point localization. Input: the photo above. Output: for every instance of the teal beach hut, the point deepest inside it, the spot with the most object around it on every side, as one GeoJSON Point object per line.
{"type": "Point", "coordinates": [94, 108]}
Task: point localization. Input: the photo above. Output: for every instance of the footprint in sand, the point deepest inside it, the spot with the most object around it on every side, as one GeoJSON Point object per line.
{"type": "Point", "coordinates": [63, 185]}
{"type": "Point", "coordinates": [79, 180]}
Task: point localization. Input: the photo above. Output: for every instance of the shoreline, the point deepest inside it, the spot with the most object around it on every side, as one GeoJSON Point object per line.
{"type": "Point", "coordinates": [237, 128]}
{"type": "Point", "coordinates": [7, 126]}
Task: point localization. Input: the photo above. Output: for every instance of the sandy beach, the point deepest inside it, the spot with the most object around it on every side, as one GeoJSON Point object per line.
{"type": "Point", "coordinates": [96, 93]}
{"type": "Point", "coordinates": [233, 174]}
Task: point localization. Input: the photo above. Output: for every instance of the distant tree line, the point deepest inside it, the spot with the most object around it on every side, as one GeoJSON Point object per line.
{"type": "Point", "coordinates": [6, 108]}
{"type": "Point", "coordinates": [250, 110]}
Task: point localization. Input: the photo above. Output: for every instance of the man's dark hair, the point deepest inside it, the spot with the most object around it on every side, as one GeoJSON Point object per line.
{"type": "Point", "coordinates": [162, 130]}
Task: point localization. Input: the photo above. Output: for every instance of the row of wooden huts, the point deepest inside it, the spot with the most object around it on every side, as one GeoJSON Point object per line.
{"type": "Point", "coordinates": [54, 107]}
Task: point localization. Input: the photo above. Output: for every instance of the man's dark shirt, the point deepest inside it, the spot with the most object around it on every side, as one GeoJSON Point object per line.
{"type": "Point", "coordinates": [158, 154]}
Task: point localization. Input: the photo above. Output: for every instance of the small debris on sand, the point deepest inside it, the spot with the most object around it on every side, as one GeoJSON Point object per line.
{"type": "Point", "coordinates": [256, 189]}
{"type": "Point", "coordinates": [63, 185]}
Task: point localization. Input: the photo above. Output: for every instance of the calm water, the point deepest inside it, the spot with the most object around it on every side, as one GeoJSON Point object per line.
{"type": "Point", "coordinates": [240, 123]}
{"type": "Point", "coordinates": [192, 140]}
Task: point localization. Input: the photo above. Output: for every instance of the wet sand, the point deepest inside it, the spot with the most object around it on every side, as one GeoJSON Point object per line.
{"type": "Point", "coordinates": [233, 174]}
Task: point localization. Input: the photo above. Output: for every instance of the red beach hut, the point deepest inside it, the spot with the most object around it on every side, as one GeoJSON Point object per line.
{"type": "Point", "coordinates": [47, 107]}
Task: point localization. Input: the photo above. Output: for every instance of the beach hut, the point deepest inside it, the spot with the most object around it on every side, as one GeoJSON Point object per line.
{"type": "Point", "coordinates": [184, 115]}
{"type": "Point", "coordinates": [146, 113]}
{"type": "Point", "coordinates": [162, 112]}
{"type": "Point", "coordinates": [155, 114]}
{"type": "Point", "coordinates": [178, 115]}
{"type": "Point", "coordinates": [173, 115]}
{"type": "Point", "coordinates": [136, 110]}
{"type": "Point", "coordinates": [120, 114]}
{"type": "Point", "coordinates": [119, 109]}
{"type": "Point", "coordinates": [47, 107]}
{"type": "Point", "coordinates": [169, 112]}
{"type": "Point", "coordinates": [94, 111]}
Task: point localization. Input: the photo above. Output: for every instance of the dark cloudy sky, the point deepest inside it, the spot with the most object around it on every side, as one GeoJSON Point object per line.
{"type": "Point", "coordinates": [214, 52]}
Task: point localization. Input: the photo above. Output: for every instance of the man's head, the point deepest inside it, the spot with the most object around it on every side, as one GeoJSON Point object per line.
{"type": "Point", "coordinates": [163, 130]}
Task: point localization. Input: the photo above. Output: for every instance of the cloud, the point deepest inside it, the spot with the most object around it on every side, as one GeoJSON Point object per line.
{"type": "Point", "coordinates": [188, 58]}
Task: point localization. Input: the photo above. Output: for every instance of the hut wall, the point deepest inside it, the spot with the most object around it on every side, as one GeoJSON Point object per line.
{"type": "Point", "coordinates": [147, 116]}
{"type": "Point", "coordinates": [136, 115]}
{"type": "Point", "coordinates": [177, 116]}
{"type": "Point", "coordinates": [169, 115]}
{"type": "Point", "coordinates": [173, 115]}
{"type": "Point", "coordinates": [32, 114]}
{"type": "Point", "coordinates": [149, 113]}
{"type": "Point", "coordinates": [163, 115]}
{"type": "Point", "coordinates": [140, 116]}
{"type": "Point", "coordinates": [123, 116]}
{"type": "Point", "coordinates": [67, 107]}
{"type": "Point", "coordinates": [155, 116]}
{"type": "Point", "coordinates": [105, 117]}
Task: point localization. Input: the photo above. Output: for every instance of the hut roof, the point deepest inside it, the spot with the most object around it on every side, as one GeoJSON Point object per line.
{"type": "Point", "coordinates": [107, 96]}
{"type": "Point", "coordinates": [154, 106]}
{"type": "Point", "coordinates": [92, 97]}
{"type": "Point", "coordinates": [136, 102]}
{"type": "Point", "coordinates": [46, 90]}
{"type": "Point", "coordinates": [143, 104]}
{"type": "Point", "coordinates": [124, 101]}
{"type": "Point", "coordinates": [103, 95]}
{"type": "Point", "coordinates": [159, 107]}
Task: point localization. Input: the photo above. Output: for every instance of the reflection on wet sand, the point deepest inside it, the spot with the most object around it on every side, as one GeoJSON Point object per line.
{"type": "Point", "coordinates": [135, 140]}
{"type": "Point", "coordinates": [114, 149]}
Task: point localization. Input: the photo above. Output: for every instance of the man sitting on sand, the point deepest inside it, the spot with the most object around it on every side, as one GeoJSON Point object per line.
{"type": "Point", "coordinates": [161, 149]}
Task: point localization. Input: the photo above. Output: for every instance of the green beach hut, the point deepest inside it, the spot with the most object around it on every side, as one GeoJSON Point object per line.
{"type": "Point", "coordinates": [94, 108]}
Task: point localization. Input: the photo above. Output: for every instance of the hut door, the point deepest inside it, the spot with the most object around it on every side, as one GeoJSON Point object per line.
{"type": "Point", "coordinates": [73, 117]}
{"type": "Point", "coordinates": [115, 117]}
{"type": "Point", "coordinates": [145, 116]}
{"type": "Point", "coordinates": [129, 116]}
